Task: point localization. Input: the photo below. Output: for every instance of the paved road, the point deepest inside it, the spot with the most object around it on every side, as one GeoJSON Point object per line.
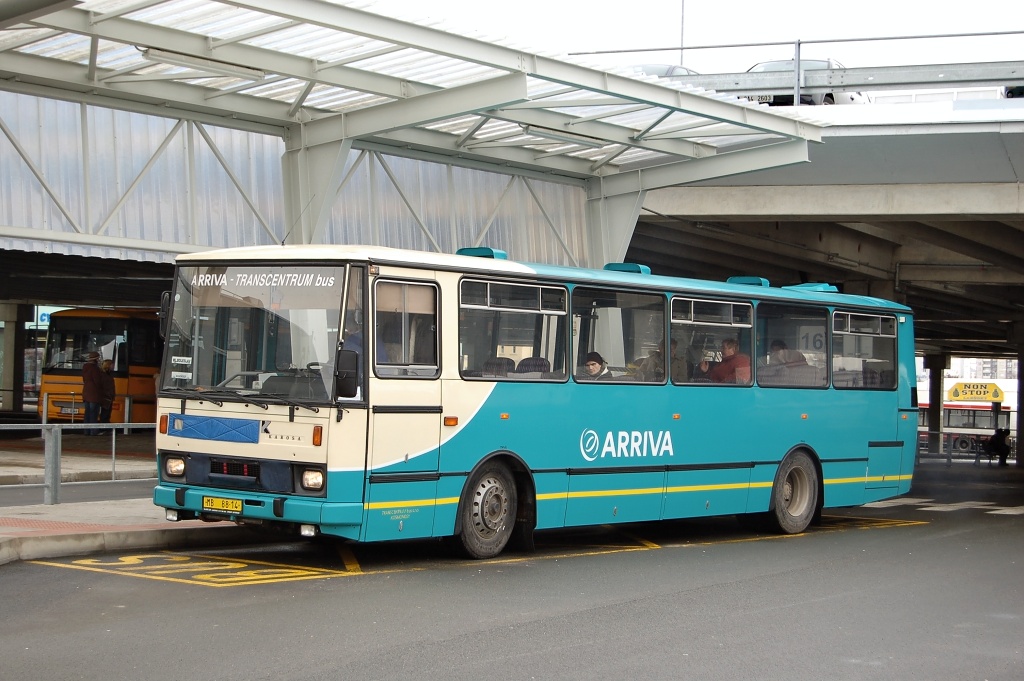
{"type": "Point", "coordinates": [71, 492]}
{"type": "Point", "coordinates": [927, 588]}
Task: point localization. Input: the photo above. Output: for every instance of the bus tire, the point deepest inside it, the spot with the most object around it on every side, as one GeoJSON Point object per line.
{"type": "Point", "coordinates": [794, 494]}
{"type": "Point", "coordinates": [488, 512]}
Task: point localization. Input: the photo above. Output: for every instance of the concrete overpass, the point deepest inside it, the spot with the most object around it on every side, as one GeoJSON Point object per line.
{"type": "Point", "coordinates": [919, 202]}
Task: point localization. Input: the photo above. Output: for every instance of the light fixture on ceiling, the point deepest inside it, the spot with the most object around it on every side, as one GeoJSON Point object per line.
{"type": "Point", "coordinates": [188, 61]}
{"type": "Point", "coordinates": [836, 259]}
{"type": "Point", "coordinates": [564, 137]}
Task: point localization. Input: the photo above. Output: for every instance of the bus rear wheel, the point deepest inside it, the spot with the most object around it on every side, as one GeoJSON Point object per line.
{"type": "Point", "coordinates": [488, 512]}
{"type": "Point", "coordinates": [794, 494]}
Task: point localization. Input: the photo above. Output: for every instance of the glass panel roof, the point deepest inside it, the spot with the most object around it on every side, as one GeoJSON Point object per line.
{"type": "Point", "coordinates": [397, 82]}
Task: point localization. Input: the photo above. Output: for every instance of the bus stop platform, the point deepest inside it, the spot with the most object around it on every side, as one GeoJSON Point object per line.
{"type": "Point", "coordinates": [39, 531]}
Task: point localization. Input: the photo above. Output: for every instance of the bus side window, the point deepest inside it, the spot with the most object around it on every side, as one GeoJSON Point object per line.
{"type": "Point", "coordinates": [511, 332]}
{"type": "Point", "coordinates": [863, 351]}
{"type": "Point", "coordinates": [406, 329]}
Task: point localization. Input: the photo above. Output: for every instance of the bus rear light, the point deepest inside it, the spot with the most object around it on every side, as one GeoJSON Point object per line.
{"type": "Point", "coordinates": [174, 466]}
{"type": "Point", "coordinates": [313, 479]}
{"type": "Point", "coordinates": [163, 424]}
{"type": "Point", "coordinates": [318, 435]}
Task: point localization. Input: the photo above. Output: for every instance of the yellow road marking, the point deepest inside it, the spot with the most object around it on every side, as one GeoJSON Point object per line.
{"type": "Point", "coordinates": [215, 571]}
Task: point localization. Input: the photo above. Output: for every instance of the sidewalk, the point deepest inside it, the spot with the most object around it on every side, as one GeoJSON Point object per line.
{"type": "Point", "coordinates": [53, 530]}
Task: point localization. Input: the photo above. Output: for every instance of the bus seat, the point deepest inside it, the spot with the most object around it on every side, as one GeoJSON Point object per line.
{"type": "Point", "coordinates": [804, 375]}
{"type": "Point", "coordinates": [846, 379]}
{"type": "Point", "coordinates": [499, 366]}
{"type": "Point", "coordinates": [533, 367]}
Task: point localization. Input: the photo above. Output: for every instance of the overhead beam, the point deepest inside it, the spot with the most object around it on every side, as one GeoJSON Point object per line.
{"type": "Point", "coordinates": [128, 32]}
{"type": "Point", "coordinates": [421, 110]}
{"type": "Point", "coordinates": [13, 12]}
{"type": "Point", "coordinates": [684, 172]}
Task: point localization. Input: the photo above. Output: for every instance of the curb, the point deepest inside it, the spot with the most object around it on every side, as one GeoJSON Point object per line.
{"type": "Point", "coordinates": [63, 545]}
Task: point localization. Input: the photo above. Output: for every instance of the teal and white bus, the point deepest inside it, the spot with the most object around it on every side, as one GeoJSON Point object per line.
{"type": "Point", "coordinates": [377, 394]}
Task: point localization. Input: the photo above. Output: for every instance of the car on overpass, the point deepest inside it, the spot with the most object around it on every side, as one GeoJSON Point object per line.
{"type": "Point", "coordinates": [664, 70]}
{"type": "Point", "coordinates": [805, 98]}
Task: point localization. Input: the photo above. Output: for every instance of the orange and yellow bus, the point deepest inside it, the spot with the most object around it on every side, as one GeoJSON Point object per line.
{"type": "Point", "coordinates": [129, 337]}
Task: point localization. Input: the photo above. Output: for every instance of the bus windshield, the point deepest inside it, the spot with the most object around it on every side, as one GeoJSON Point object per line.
{"type": "Point", "coordinates": [270, 330]}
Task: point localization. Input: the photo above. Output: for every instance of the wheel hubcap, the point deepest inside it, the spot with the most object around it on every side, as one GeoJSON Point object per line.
{"type": "Point", "coordinates": [490, 507]}
{"type": "Point", "coordinates": [796, 492]}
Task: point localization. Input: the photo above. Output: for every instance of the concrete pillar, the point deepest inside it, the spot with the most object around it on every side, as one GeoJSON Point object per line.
{"type": "Point", "coordinates": [611, 221]}
{"type": "Point", "coordinates": [12, 373]}
{"type": "Point", "coordinates": [936, 365]}
{"type": "Point", "coordinates": [312, 175]}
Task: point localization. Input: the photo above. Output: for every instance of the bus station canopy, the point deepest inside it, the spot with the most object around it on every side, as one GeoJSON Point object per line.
{"type": "Point", "coordinates": [319, 71]}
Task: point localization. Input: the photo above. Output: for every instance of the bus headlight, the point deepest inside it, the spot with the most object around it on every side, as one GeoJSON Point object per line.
{"type": "Point", "coordinates": [312, 480]}
{"type": "Point", "coordinates": [174, 466]}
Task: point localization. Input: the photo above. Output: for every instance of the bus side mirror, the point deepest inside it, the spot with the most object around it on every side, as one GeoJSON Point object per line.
{"type": "Point", "coordinates": [346, 373]}
{"type": "Point", "coordinates": [165, 313]}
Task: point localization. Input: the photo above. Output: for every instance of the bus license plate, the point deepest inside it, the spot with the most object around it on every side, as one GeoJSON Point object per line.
{"type": "Point", "coordinates": [68, 410]}
{"type": "Point", "coordinates": [222, 505]}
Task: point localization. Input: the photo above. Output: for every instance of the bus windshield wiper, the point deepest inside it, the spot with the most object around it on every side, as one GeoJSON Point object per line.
{"type": "Point", "coordinates": [281, 399]}
{"type": "Point", "coordinates": [194, 395]}
{"type": "Point", "coordinates": [232, 395]}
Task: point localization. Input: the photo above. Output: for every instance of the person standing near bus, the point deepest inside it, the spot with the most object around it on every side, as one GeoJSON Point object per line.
{"type": "Point", "coordinates": [734, 367]}
{"type": "Point", "coordinates": [92, 390]}
{"type": "Point", "coordinates": [109, 390]}
{"type": "Point", "coordinates": [996, 445]}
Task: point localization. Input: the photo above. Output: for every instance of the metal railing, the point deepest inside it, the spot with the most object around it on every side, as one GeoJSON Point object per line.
{"type": "Point", "coordinates": [950, 451]}
{"type": "Point", "coordinates": [74, 409]}
{"type": "Point", "coordinates": [52, 434]}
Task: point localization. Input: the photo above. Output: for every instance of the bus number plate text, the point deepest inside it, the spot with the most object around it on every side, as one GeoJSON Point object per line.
{"type": "Point", "coordinates": [222, 505]}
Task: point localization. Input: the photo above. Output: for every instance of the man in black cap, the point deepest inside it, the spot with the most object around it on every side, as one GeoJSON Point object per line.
{"type": "Point", "coordinates": [594, 368]}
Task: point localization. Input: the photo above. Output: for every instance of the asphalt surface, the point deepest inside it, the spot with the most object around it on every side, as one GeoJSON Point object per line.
{"type": "Point", "coordinates": [921, 587]}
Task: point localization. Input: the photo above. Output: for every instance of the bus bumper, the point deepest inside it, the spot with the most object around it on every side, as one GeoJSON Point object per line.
{"type": "Point", "coordinates": [340, 519]}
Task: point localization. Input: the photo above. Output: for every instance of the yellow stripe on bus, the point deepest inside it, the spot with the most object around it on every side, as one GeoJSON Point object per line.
{"type": "Point", "coordinates": [377, 505]}
{"type": "Point", "coordinates": [556, 496]}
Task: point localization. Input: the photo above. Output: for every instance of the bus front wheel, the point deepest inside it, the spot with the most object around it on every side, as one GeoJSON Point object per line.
{"type": "Point", "coordinates": [488, 512]}
{"type": "Point", "coordinates": [795, 494]}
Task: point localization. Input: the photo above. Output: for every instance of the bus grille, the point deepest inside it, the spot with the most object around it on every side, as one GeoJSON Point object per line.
{"type": "Point", "coordinates": [247, 469]}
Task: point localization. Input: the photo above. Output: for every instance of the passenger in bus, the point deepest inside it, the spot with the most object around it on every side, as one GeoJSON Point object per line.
{"type": "Point", "coordinates": [784, 365]}
{"type": "Point", "coordinates": [734, 367]}
{"type": "Point", "coordinates": [92, 390]}
{"type": "Point", "coordinates": [594, 368]}
{"type": "Point", "coordinates": [653, 368]}
{"type": "Point", "coordinates": [780, 354]}
{"type": "Point", "coordinates": [353, 339]}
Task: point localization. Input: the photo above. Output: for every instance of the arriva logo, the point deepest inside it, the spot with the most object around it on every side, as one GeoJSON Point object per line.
{"type": "Point", "coordinates": [625, 444]}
